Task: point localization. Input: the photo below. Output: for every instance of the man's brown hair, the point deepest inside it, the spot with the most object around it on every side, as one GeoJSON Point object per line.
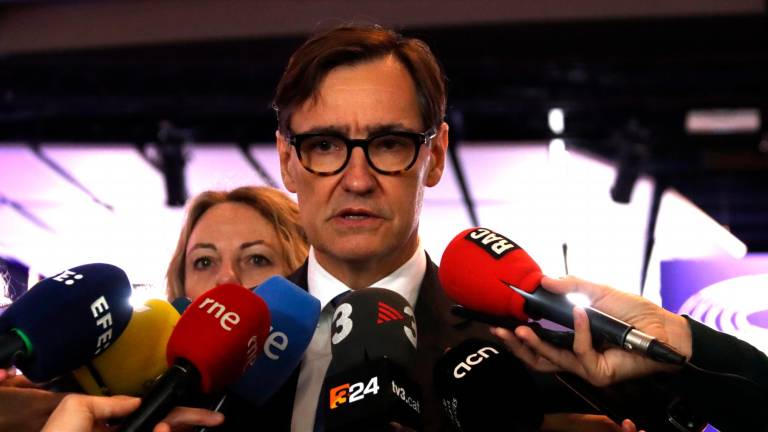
{"type": "Point", "coordinates": [350, 45]}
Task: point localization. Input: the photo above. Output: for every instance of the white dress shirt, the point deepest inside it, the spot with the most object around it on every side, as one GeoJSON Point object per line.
{"type": "Point", "coordinates": [405, 281]}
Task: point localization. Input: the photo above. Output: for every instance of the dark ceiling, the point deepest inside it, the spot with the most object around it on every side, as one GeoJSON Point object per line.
{"type": "Point", "coordinates": [625, 86]}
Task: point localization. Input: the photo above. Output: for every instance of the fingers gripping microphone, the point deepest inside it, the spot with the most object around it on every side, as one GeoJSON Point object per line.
{"type": "Point", "coordinates": [482, 386]}
{"type": "Point", "coordinates": [64, 321]}
{"type": "Point", "coordinates": [489, 273]}
{"type": "Point", "coordinates": [370, 381]}
{"type": "Point", "coordinates": [216, 338]}
{"type": "Point", "coordinates": [137, 358]}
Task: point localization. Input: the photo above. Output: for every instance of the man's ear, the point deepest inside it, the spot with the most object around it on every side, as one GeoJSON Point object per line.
{"type": "Point", "coordinates": [437, 152]}
{"type": "Point", "coordinates": [284, 152]}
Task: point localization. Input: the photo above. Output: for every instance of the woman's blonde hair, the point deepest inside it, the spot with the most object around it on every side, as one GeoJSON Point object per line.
{"type": "Point", "coordinates": [275, 206]}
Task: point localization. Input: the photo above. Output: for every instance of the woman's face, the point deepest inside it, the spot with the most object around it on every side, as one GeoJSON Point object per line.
{"type": "Point", "coordinates": [231, 243]}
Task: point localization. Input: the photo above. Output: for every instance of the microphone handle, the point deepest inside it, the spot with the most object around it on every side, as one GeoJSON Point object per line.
{"type": "Point", "coordinates": [169, 391]}
{"type": "Point", "coordinates": [555, 307]}
{"type": "Point", "coordinates": [12, 347]}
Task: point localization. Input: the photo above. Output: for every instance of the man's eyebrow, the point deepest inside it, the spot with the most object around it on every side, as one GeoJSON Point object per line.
{"type": "Point", "coordinates": [375, 129]}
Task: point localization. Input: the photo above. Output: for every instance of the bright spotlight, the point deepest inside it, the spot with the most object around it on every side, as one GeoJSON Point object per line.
{"type": "Point", "coordinates": [556, 120]}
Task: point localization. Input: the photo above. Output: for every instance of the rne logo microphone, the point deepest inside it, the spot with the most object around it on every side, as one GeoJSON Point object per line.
{"type": "Point", "coordinates": [461, 369]}
{"type": "Point", "coordinates": [356, 392]}
{"type": "Point", "coordinates": [387, 313]}
{"type": "Point", "coordinates": [226, 320]}
{"type": "Point", "coordinates": [495, 244]}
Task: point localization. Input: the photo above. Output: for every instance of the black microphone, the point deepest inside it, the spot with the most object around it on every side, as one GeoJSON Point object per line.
{"type": "Point", "coordinates": [482, 386]}
{"type": "Point", "coordinates": [369, 383]}
{"type": "Point", "coordinates": [64, 321]}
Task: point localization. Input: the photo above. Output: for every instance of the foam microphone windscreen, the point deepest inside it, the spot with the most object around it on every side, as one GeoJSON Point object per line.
{"type": "Point", "coordinates": [372, 323]}
{"type": "Point", "coordinates": [138, 356]}
{"type": "Point", "coordinates": [220, 333]}
{"type": "Point", "coordinates": [69, 318]}
{"type": "Point", "coordinates": [483, 387]}
{"type": "Point", "coordinates": [181, 304]}
{"type": "Point", "coordinates": [476, 267]}
{"type": "Point", "coordinates": [294, 315]}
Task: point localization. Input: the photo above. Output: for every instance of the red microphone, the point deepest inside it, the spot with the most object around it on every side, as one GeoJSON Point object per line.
{"type": "Point", "coordinates": [219, 335]}
{"type": "Point", "coordinates": [488, 273]}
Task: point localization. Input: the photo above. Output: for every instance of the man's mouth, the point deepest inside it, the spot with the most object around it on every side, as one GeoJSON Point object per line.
{"type": "Point", "coordinates": [355, 214]}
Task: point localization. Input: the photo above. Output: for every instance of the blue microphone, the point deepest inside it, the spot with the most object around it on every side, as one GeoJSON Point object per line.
{"type": "Point", "coordinates": [294, 315]}
{"type": "Point", "coordinates": [64, 321]}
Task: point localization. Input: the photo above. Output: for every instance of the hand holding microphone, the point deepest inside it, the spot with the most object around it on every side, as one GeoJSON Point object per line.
{"type": "Point", "coordinates": [488, 273]}
{"type": "Point", "coordinates": [611, 365]}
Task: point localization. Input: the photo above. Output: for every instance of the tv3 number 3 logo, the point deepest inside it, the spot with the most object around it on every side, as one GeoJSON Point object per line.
{"type": "Point", "coordinates": [356, 392]}
{"type": "Point", "coordinates": [343, 324]}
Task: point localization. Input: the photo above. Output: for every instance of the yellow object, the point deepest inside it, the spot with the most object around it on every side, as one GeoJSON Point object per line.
{"type": "Point", "coordinates": [137, 357]}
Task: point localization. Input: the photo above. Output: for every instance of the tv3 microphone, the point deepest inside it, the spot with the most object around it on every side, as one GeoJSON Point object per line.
{"type": "Point", "coordinates": [370, 383]}
{"type": "Point", "coordinates": [487, 272]}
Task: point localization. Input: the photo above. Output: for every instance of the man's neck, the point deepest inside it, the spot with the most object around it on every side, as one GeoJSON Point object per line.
{"type": "Point", "coordinates": [363, 273]}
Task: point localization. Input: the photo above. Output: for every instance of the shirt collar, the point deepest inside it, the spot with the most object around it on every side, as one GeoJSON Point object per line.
{"type": "Point", "coordinates": [405, 281]}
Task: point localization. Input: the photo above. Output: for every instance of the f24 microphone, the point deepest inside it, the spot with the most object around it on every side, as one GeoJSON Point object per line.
{"type": "Point", "coordinates": [64, 321]}
{"type": "Point", "coordinates": [482, 387]}
{"type": "Point", "coordinates": [487, 272]}
{"type": "Point", "coordinates": [138, 356]}
{"type": "Point", "coordinates": [216, 338]}
{"type": "Point", "coordinates": [369, 381]}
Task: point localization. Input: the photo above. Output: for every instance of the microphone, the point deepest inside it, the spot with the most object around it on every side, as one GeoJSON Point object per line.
{"type": "Point", "coordinates": [65, 320]}
{"type": "Point", "coordinates": [137, 358]}
{"type": "Point", "coordinates": [294, 315]}
{"type": "Point", "coordinates": [181, 304]}
{"type": "Point", "coordinates": [506, 281]}
{"type": "Point", "coordinates": [369, 382]}
{"type": "Point", "coordinates": [482, 386]}
{"type": "Point", "coordinates": [216, 338]}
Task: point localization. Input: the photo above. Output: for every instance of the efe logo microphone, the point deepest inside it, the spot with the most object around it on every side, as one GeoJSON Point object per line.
{"type": "Point", "coordinates": [495, 244]}
{"type": "Point", "coordinates": [356, 392]}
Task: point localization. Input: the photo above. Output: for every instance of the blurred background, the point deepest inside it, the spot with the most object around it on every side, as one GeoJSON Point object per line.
{"type": "Point", "coordinates": [620, 141]}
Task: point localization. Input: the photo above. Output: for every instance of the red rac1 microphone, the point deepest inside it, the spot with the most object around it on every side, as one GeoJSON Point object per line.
{"type": "Point", "coordinates": [486, 272]}
{"type": "Point", "coordinates": [218, 336]}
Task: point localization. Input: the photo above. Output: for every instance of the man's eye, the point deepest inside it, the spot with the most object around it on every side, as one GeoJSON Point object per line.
{"type": "Point", "coordinates": [323, 145]}
{"type": "Point", "coordinates": [202, 263]}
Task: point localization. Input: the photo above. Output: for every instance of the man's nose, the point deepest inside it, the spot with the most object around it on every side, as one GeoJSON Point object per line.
{"type": "Point", "coordinates": [358, 176]}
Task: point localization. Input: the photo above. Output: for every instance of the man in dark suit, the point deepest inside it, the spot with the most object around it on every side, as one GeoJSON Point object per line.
{"type": "Point", "coordinates": [360, 136]}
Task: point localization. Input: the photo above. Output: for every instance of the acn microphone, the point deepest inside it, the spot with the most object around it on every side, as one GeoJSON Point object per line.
{"type": "Point", "coordinates": [489, 273]}
{"type": "Point", "coordinates": [482, 386]}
